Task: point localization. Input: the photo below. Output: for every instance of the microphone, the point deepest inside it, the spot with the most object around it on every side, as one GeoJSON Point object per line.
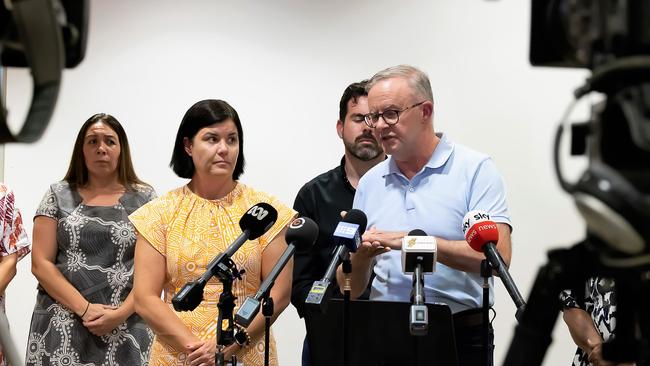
{"type": "Point", "coordinates": [302, 234]}
{"type": "Point", "coordinates": [418, 258]}
{"type": "Point", "coordinates": [347, 238]}
{"type": "Point", "coordinates": [418, 248]}
{"type": "Point", "coordinates": [482, 235]}
{"type": "Point", "coordinates": [255, 222]}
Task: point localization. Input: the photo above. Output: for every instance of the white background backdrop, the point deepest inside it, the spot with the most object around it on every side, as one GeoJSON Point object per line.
{"type": "Point", "coordinates": [283, 65]}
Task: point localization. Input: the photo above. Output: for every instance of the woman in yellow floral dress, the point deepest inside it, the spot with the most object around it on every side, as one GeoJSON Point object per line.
{"type": "Point", "coordinates": [182, 231]}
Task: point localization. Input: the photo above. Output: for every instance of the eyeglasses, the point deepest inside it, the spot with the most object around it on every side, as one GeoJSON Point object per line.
{"type": "Point", "coordinates": [390, 116]}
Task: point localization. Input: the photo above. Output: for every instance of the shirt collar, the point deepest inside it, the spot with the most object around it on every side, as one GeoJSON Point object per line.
{"type": "Point", "coordinates": [439, 157]}
{"type": "Point", "coordinates": [344, 175]}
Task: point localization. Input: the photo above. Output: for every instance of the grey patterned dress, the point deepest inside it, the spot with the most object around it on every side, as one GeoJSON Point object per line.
{"type": "Point", "coordinates": [95, 254]}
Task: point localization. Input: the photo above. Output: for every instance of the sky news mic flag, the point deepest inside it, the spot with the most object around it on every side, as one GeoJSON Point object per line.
{"type": "Point", "coordinates": [482, 234]}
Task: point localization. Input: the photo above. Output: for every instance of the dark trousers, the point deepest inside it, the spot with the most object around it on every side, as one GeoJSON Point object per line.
{"type": "Point", "coordinates": [468, 328]}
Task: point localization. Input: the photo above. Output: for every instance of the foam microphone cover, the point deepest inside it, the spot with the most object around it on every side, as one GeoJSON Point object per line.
{"type": "Point", "coordinates": [302, 232]}
{"type": "Point", "coordinates": [258, 219]}
{"type": "Point", "coordinates": [417, 232]}
{"type": "Point", "coordinates": [479, 230]}
{"type": "Point", "coordinates": [482, 233]}
{"type": "Point", "coordinates": [355, 216]}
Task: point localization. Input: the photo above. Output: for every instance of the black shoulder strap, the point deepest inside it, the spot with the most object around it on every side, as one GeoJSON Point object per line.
{"type": "Point", "coordinates": [42, 43]}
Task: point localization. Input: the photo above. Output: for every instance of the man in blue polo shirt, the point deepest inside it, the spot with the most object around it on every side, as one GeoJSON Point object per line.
{"type": "Point", "coordinates": [428, 183]}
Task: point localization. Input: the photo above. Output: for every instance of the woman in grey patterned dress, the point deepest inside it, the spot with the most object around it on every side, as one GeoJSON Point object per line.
{"type": "Point", "coordinates": [82, 256]}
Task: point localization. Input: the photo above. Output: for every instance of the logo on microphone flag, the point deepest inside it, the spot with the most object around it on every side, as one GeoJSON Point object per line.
{"type": "Point", "coordinates": [297, 223]}
{"type": "Point", "coordinates": [411, 242]}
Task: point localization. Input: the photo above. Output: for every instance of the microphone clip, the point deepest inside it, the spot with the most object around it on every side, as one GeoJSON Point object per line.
{"type": "Point", "coordinates": [226, 269]}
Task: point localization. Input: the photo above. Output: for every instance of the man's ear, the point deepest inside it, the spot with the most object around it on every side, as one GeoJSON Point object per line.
{"type": "Point", "coordinates": [339, 128]}
{"type": "Point", "coordinates": [427, 110]}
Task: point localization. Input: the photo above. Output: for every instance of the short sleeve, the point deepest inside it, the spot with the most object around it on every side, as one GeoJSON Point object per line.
{"type": "Point", "coordinates": [149, 193]}
{"type": "Point", "coordinates": [567, 300]}
{"type": "Point", "coordinates": [150, 223]}
{"type": "Point", "coordinates": [300, 203]}
{"type": "Point", "coordinates": [285, 216]}
{"type": "Point", "coordinates": [488, 192]}
{"type": "Point", "coordinates": [49, 206]}
{"type": "Point", "coordinates": [14, 236]}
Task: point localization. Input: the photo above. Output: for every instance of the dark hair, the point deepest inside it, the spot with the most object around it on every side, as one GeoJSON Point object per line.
{"type": "Point", "coordinates": [352, 92]}
{"type": "Point", "coordinates": [200, 115]}
{"type": "Point", "coordinates": [77, 175]}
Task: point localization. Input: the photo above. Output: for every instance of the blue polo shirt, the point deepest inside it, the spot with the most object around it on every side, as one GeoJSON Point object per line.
{"type": "Point", "coordinates": [453, 182]}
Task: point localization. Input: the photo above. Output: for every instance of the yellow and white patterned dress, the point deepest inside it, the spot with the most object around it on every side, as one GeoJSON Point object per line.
{"type": "Point", "coordinates": [189, 231]}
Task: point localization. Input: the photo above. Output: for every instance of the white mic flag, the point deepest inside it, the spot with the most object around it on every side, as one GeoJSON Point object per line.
{"type": "Point", "coordinates": [414, 246]}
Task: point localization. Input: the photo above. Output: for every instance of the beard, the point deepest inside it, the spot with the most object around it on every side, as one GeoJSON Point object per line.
{"type": "Point", "coordinates": [364, 151]}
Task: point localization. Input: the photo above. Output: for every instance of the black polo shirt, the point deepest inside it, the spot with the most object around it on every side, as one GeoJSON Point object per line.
{"type": "Point", "coordinates": [322, 199]}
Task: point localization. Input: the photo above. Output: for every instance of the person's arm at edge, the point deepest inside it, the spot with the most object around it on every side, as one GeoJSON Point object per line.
{"type": "Point", "coordinates": [7, 270]}
{"type": "Point", "coordinates": [582, 329]}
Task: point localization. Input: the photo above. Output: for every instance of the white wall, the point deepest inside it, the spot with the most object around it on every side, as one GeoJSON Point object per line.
{"type": "Point", "coordinates": [283, 65]}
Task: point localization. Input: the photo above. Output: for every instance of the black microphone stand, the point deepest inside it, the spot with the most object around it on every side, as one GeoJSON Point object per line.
{"type": "Point", "coordinates": [267, 311]}
{"type": "Point", "coordinates": [486, 273]}
{"type": "Point", "coordinates": [496, 261]}
{"type": "Point", "coordinates": [225, 337]}
{"type": "Point", "coordinates": [419, 313]}
{"type": "Point", "coordinates": [347, 270]}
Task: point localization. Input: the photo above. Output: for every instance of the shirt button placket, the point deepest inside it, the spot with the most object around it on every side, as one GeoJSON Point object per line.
{"type": "Point", "coordinates": [409, 199]}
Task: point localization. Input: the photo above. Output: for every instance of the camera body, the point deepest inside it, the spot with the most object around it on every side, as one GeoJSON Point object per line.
{"type": "Point", "coordinates": [71, 16]}
{"type": "Point", "coordinates": [611, 38]}
{"type": "Point", "coordinates": [46, 36]}
{"type": "Point", "coordinates": [588, 33]}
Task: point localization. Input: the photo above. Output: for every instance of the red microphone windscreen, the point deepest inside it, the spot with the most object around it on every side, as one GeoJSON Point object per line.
{"type": "Point", "coordinates": [481, 233]}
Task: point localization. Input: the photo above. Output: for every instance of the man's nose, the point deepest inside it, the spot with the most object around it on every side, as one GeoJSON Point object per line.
{"type": "Point", "coordinates": [381, 122]}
